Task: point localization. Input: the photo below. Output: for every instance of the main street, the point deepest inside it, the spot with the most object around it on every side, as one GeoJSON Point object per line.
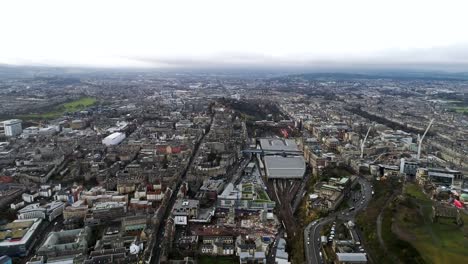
{"type": "Point", "coordinates": [312, 235]}
{"type": "Point", "coordinates": [157, 249]}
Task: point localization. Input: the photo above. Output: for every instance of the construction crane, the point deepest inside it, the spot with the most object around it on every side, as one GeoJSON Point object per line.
{"type": "Point", "coordinates": [420, 139]}
{"type": "Point", "coordinates": [363, 142]}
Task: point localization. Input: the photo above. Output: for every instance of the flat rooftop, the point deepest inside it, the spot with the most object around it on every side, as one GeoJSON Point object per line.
{"type": "Point", "coordinates": [18, 232]}
{"type": "Point", "coordinates": [285, 167]}
{"type": "Point", "coordinates": [279, 144]}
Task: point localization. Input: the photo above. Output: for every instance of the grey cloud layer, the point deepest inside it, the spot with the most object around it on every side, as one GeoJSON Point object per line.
{"type": "Point", "coordinates": [453, 57]}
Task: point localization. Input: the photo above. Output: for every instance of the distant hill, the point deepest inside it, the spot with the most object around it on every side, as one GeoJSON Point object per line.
{"type": "Point", "coordinates": [399, 75]}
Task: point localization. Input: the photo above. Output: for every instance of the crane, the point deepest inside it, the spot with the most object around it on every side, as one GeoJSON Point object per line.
{"type": "Point", "coordinates": [420, 139]}
{"type": "Point", "coordinates": [364, 141]}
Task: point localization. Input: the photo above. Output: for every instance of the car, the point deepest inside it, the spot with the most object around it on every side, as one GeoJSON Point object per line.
{"type": "Point", "coordinates": [308, 243]}
{"type": "Point", "coordinates": [362, 202]}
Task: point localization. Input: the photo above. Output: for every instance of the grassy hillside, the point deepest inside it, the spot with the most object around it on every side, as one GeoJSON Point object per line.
{"type": "Point", "coordinates": [59, 110]}
{"type": "Point", "coordinates": [441, 242]}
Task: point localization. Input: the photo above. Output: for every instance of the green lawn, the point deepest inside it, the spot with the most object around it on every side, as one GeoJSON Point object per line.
{"type": "Point", "coordinates": [79, 104]}
{"type": "Point", "coordinates": [59, 110]}
{"type": "Point", "coordinates": [415, 191]}
{"type": "Point", "coordinates": [263, 195]}
{"type": "Point", "coordinates": [460, 109]}
{"type": "Point", "coordinates": [441, 242]}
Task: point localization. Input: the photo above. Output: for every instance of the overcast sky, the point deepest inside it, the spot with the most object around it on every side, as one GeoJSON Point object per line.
{"type": "Point", "coordinates": [197, 33]}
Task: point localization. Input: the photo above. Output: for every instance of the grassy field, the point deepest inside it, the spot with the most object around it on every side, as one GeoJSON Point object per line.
{"type": "Point", "coordinates": [460, 109]}
{"type": "Point", "coordinates": [401, 249]}
{"type": "Point", "coordinates": [59, 110]}
{"type": "Point", "coordinates": [441, 242]}
{"type": "Point", "coordinates": [408, 231]}
{"type": "Point", "coordinates": [263, 195]}
{"type": "Point", "coordinates": [217, 260]}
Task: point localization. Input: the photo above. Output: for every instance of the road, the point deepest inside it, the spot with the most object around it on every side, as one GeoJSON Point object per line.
{"type": "Point", "coordinates": [312, 242]}
{"type": "Point", "coordinates": [157, 249]}
{"type": "Point", "coordinates": [238, 170]}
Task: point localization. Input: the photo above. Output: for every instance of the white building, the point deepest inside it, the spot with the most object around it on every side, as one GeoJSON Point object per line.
{"type": "Point", "coordinates": [16, 206]}
{"type": "Point", "coordinates": [29, 197]}
{"type": "Point", "coordinates": [49, 211]}
{"type": "Point", "coordinates": [113, 139]}
{"type": "Point", "coordinates": [12, 127]}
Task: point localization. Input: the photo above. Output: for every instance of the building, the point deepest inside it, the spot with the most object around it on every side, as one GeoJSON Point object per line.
{"type": "Point", "coordinates": [332, 143]}
{"type": "Point", "coordinates": [77, 210]}
{"type": "Point", "coordinates": [66, 244]}
{"type": "Point", "coordinates": [439, 176]}
{"type": "Point", "coordinates": [351, 258]}
{"type": "Point", "coordinates": [12, 127]}
{"type": "Point", "coordinates": [278, 144]}
{"type": "Point", "coordinates": [246, 197]}
{"type": "Point", "coordinates": [332, 193]}
{"type": "Point", "coordinates": [281, 256]}
{"type": "Point", "coordinates": [113, 139]}
{"type": "Point", "coordinates": [279, 167]}
{"type": "Point", "coordinates": [184, 210]}
{"type": "Point", "coordinates": [48, 211]}
{"type": "Point", "coordinates": [29, 197]}
{"type": "Point", "coordinates": [5, 260]}
{"type": "Point", "coordinates": [30, 131]}
{"type": "Point", "coordinates": [133, 223]}
{"type": "Point", "coordinates": [408, 167]}
{"type": "Point", "coordinates": [108, 211]}
{"type": "Point", "coordinates": [18, 237]}
{"type": "Point", "coordinates": [218, 245]}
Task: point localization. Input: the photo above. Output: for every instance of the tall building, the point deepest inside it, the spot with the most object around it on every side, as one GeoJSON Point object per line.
{"type": "Point", "coordinates": [12, 127]}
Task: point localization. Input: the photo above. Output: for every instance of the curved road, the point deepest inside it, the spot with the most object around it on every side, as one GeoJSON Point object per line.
{"type": "Point", "coordinates": [312, 231]}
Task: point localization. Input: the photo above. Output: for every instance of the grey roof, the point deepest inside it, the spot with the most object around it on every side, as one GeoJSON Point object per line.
{"type": "Point", "coordinates": [278, 144]}
{"type": "Point", "coordinates": [285, 167]}
{"type": "Point", "coordinates": [259, 255]}
{"type": "Point", "coordinates": [282, 254]}
{"type": "Point", "coordinates": [356, 257]}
